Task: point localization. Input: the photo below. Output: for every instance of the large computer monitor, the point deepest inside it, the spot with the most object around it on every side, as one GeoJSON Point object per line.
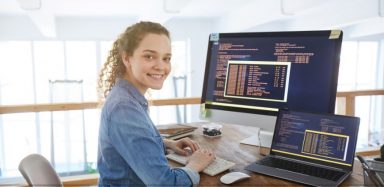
{"type": "Point", "coordinates": [249, 76]}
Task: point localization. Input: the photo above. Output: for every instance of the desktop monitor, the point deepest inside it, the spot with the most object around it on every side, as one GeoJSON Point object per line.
{"type": "Point", "coordinates": [250, 76]}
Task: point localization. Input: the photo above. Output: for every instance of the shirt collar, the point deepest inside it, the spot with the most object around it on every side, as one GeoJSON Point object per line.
{"type": "Point", "coordinates": [134, 92]}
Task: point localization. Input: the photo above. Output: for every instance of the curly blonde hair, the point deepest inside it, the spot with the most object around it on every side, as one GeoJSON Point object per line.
{"type": "Point", "coordinates": [127, 42]}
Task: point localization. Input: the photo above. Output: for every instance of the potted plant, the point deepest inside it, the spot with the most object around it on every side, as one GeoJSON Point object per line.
{"type": "Point", "coordinates": [381, 154]}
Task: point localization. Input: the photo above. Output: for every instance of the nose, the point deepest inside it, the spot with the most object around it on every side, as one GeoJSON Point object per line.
{"type": "Point", "coordinates": [161, 65]}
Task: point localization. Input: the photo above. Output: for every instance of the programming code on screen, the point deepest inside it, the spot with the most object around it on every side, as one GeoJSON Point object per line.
{"type": "Point", "coordinates": [257, 80]}
{"type": "Point", "coordinates": [271, 71]}
{"type": "Point", "coordinates": [313, 137]}
{"type": "Point", "coordinates": [327, 145]}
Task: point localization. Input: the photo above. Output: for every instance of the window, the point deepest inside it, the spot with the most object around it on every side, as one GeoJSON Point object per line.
{"type": "Point", "coordinates": [358, 71]}
{"type": "Point", "coordinates": [16, 73]}
{"type": "Point", "coordinates": [16, 87]}
{"type": "Point", "coordinates": [25, 79]}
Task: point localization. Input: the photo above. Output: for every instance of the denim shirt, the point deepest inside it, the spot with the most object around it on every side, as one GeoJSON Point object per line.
{"type": "Point", "coordinates": [131, 151]}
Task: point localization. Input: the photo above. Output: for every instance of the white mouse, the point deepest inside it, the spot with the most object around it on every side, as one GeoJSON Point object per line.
{"type": "Point", "coordinates": [232, 177]}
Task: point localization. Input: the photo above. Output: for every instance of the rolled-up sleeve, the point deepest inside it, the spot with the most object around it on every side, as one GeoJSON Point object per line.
{"type": "Point", "coordinates": [135, 139]}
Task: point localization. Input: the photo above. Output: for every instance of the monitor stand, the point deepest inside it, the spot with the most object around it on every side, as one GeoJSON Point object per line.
{"type": "Point", "coordinates": [262, 139]}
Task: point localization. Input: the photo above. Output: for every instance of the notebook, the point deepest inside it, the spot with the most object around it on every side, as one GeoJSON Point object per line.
{"type": "Point", "coordinates": [175, 131]}
{"type": "Point", "coordinates": [311, 148]}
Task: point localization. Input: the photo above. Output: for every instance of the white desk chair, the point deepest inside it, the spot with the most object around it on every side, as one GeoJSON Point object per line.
{"type": "Point", "coordinates": [37, 171]}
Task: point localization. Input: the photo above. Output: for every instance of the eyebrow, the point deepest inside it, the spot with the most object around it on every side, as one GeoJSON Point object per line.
{"type": "Point", "coordinates": [152, 51]}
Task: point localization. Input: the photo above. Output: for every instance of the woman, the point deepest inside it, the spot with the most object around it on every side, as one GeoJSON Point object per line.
{"type": "Point", "coordinates": [131, 150]}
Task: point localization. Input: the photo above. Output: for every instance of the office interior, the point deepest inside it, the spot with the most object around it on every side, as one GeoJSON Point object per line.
{"type": "Point", "coordinates": [51, 52]}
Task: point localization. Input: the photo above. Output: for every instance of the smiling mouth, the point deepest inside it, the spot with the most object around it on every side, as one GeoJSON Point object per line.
{"type": "Point", "coordinates": [156, 76]}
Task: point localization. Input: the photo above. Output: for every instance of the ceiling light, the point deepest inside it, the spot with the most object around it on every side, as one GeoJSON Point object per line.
{"type": "Point", "coordinates": [30, 4]}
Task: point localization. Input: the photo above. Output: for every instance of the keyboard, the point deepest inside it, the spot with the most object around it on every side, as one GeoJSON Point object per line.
{"type": "Point", "coordinates": [302, 168]}
{"type": "Point", "coordinates": [217, 166]}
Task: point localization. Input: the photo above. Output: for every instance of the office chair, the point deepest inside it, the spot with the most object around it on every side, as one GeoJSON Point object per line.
{"type": "Point", "coordinates": [37, 171]}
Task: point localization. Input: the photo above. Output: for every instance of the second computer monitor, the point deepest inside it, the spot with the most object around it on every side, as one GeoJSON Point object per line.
{"type": "Point", "coordinates": [249, 76]}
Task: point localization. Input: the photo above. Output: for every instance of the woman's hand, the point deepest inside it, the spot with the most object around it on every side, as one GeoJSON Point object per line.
{"type": "Point", "coordinates": [200, 159]}
{"type": "Point", "coordinates": [178, 146]}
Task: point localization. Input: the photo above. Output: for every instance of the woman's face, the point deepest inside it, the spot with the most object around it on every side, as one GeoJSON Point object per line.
{"type": "Point", "coordinates": [149, 65]}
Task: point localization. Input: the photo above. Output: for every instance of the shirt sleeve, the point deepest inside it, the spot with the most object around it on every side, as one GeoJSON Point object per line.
{"type": "Point", "coordinates": [132, 134]}
{"type": "Point", "coordinates": [193, 175]}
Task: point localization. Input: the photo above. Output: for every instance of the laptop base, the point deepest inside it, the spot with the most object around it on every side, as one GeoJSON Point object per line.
{"type": "Point", "coordinates": [292, 176]}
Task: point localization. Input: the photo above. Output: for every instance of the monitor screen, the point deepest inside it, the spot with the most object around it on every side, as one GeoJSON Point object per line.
{"type": "Point", "coordinates": [250, 76]}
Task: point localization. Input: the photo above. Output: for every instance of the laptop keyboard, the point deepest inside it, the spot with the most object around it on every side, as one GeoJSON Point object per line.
{"type": "Point", "coordinates": [302, 168]}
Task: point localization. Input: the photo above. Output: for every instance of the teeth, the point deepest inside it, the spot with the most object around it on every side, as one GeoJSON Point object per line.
{"type": "Point", "coordinates": [156, 76]}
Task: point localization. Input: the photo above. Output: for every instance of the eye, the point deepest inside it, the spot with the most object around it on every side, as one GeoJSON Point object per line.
{"type": "Point", "coordinates": [149, 57]}
{"type": "Point", "coordinates": [167, 59]}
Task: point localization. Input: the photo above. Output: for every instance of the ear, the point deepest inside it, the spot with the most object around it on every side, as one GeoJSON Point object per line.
{"type": "Point", "coordinates": [125, 59]}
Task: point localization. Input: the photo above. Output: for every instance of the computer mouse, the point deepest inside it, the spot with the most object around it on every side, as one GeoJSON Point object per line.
{"type": "Point", "coordinates": [232, 177]}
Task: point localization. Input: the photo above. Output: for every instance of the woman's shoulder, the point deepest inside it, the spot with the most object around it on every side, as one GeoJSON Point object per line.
{"type": "Point", "coordinates": [121, 100]}
{"type": "Point", "coordinates": [116, 100]}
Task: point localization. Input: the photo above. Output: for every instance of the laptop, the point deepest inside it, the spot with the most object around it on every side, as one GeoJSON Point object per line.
{"type": "Point", "coordinates": [311, 148]}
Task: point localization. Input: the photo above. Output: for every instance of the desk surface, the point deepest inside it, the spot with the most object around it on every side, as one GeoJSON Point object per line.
{"type": "Point", "coordinates": [228, 147]}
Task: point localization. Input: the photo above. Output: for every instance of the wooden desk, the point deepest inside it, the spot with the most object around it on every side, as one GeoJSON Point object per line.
{"type": "Point", "coordinates": [228, 147]}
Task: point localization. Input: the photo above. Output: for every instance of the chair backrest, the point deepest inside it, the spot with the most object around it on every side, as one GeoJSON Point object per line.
{"type": "Point", "coordinates": [37, 171]}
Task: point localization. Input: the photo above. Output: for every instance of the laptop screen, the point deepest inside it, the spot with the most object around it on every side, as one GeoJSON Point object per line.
{"type": "Point", "coordinates": [319, 138]}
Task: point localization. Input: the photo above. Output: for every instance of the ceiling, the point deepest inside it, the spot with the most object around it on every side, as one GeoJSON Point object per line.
{"type": "Point", "coordinates": [362, 18]}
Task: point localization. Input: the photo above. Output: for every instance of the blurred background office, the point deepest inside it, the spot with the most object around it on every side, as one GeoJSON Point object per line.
{"type": "Point", "coordinates": [51, 52]}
